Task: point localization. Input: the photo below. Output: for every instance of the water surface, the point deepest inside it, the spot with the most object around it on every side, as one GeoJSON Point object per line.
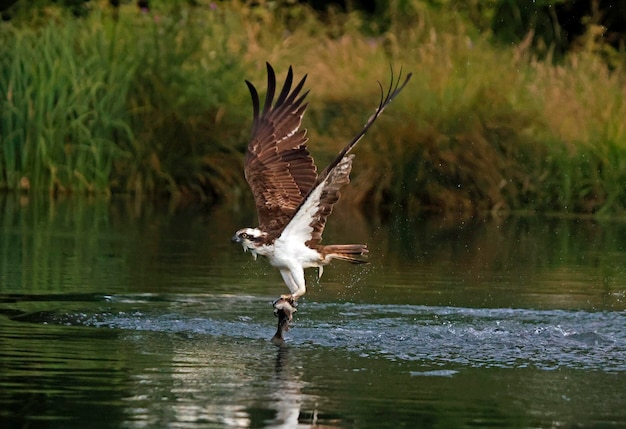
{"type": "Point", "coordinates": [114, 314]}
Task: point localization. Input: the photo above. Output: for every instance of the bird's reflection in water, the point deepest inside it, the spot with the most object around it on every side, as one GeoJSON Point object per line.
{"type": "Point", "coordinates": [288, 399]}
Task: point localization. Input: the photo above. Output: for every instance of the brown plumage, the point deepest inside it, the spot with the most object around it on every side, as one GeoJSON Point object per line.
{"type": "Point", "coordinates": [278, 165]}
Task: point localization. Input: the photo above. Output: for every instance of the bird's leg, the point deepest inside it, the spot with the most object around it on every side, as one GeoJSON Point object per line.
{"type": "Point", "coordinates": [284, 307]}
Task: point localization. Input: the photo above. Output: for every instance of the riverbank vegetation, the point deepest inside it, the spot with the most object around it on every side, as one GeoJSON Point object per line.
{"type": "Point", "coordinates": [153, 103]}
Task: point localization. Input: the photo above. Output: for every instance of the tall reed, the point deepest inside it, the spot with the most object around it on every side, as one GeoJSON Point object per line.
{"type": "Point", "coordinates": [133, 104]}
{"type": "Point", "coordinates": [63, 109]}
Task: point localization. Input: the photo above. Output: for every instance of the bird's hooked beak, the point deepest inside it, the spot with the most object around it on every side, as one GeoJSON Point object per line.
{"type": "Point", "coordinates": [237, 239]}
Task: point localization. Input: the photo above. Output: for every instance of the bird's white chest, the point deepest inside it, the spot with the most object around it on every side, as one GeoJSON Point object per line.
{"type": "Point", "coordinates": [288, 253]}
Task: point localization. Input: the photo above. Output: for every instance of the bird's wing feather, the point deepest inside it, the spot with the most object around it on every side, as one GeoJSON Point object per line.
{"type": "Point", "coordinates": [278, 166]}
{"type": "Point", "coordinates": [310, 218]}
{"type": "Point", "coordinates": [394, 89]}
{"type": "Point", "coordinates": [308, 222]}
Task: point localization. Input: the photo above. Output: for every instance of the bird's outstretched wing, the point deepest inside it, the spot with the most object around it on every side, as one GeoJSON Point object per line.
{"type": "Point", "coordinates": [278, 166]}
{"type": "Point", "coordinates": [319, 202]}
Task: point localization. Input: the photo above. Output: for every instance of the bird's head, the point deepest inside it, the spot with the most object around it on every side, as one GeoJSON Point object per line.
{"type": "Point", "coordinates": [250, 239]}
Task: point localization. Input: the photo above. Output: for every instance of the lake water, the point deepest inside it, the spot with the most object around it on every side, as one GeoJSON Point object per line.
{"type": "Point", "coordinates": [121, 315]}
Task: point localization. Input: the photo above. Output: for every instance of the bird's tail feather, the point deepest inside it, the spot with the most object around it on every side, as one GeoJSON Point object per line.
{"type": "Point", "coordinates": [345, 252]}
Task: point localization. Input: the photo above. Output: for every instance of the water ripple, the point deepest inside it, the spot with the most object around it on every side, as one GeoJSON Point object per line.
{"type": "Point", "coordinates": [546, 339]}
{"type": "Point", "coordinates": [439, 336]}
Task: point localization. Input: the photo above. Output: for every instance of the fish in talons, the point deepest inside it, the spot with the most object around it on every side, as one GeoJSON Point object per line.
{"type": "Point", "coordinates": [284, 307]}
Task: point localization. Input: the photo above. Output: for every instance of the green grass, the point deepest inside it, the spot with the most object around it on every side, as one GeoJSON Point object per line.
{"type": "Point", "coordinates": [155, 104]}
{"type": "Point", "coordinates": [62, 109]}
{"type": "Point", "coordinates": [129, 105]}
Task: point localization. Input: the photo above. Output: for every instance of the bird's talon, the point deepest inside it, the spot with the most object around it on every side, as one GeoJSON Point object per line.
{"type": "Point", "coordinates": [285, 305]}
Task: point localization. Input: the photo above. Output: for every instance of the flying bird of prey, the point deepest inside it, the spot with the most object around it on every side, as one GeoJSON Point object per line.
{"type": "Point", "coordinates": [292, 200]}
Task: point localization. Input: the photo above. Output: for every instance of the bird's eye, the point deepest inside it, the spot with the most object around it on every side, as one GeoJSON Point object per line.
{"type": "Point", "coordinates": [244, 235]}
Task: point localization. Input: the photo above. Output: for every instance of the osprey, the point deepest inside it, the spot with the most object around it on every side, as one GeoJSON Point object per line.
{"type": "Point", "coordinates": [292, 200]}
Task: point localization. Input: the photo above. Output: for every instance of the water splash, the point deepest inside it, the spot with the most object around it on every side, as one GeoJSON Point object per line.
{"type": "Point", "coordinates": [435, 336]}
